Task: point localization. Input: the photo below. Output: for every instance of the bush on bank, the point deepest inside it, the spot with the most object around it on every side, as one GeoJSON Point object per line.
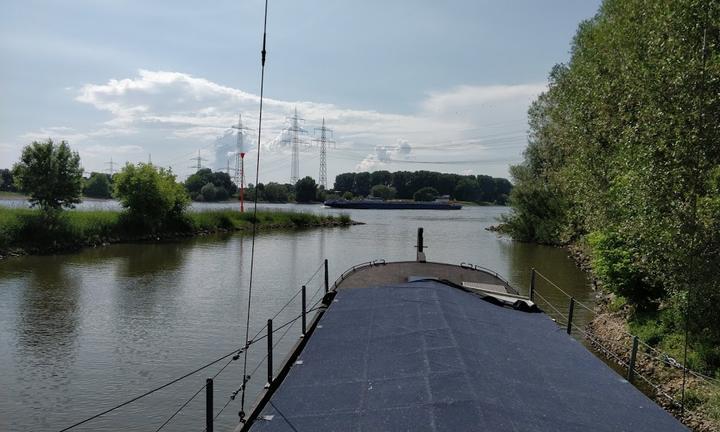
{"type": "Point", "coordinates": [152, 199]}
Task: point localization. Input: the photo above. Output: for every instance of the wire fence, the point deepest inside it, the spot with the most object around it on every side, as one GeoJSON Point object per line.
{"type": "Point", "coordinates": [315, 284]}
{"type": "Point", "coordinates": [653, 371]}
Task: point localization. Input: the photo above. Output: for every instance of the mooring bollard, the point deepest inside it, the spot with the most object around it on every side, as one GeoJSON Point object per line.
{"type": "Point", "coordinates": [571, 308]}
{"type": "Point", "coordinates": [327, 280]}
{"type": "Point", "coordinates": [270, 353]}
{"type": "Point", "coordinates": [420, 246]}
{"type": "Point", "coordinates": [532, 285]}
{"type": "Point", "coordinates": [209, 405]}
{"type": "Point", "coordinates": [633, 355]}
{"type": "Point", "coordinates": [304, 311]}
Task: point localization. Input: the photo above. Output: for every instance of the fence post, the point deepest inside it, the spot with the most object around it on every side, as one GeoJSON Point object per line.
{"type": "Point", "coordinates": [209, 405]}
{"type": "Point", "coordinates": [327, 281]}
{"type": "Point", "coordinates": [270, 353]}
{"type": "Point", "coordinates": [633, 355]}
{"type": "Point", "coordinates": [571, 308]}
{"type": "Point", "coordinates": [304, 311]}
{"type": "Point", "coordinates": [532, 285]}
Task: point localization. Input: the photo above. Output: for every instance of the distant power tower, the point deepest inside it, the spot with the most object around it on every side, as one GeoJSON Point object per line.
{"type": "Point", "coordinates": [323, 141]}
{"type": "Point", "coordinates": [111, 170]}
{"type": "Point", "coordinates": [292, 137]}
{"type": "Point", "coordinates": [199, 160]}
{"type": "Point", "coordinates": [240, 160]}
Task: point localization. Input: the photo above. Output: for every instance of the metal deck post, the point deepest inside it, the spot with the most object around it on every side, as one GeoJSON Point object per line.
{"type": "Point", "coordinates": [304, 311]}
{"type": "Point", "coordinates": [571, 308]}
{"type": "Point", "coordinates": [633, 355]}
{"type": "Point", "coordinates": [209, 405]}
{"type": "Point", "coordinates": [270, 353]}
{"type": "Point", "coordinates": [327, 283]}
{"type": "Point", "coordinates": [532, 285]}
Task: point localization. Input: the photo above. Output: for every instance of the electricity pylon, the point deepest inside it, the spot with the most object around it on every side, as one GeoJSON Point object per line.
{"type": "Point", "coordinates": [112, 167]}
{"type": "Point", "coordinates": [323, 141]}
{"type": "Point", "coordinates": [199, 160]}
{"type": "Point", "coordinates": [240, 161]}
{"type": "Point", "coordinates": [294, 131]}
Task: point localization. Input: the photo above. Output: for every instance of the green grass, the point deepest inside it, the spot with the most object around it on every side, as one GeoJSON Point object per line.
{"type": "Point", "coordinates": [661, 330]}
{"type": "Point", "coordinates": [28, 229]}
{"type": "Point", "coordinates": [233, 220]}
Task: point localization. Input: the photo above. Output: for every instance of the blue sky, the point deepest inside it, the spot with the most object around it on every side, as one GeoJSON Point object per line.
{"type": "Point", "coordinates": [404, 84]}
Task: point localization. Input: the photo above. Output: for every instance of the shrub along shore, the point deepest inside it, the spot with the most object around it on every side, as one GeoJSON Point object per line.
{"type": "Point", "coordinates": [28, 231]}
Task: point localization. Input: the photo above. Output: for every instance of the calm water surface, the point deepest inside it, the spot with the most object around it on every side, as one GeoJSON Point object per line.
{"type": "Point", "coordinates": [81, 332]}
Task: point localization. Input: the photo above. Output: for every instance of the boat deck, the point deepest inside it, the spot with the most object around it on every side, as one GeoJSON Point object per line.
{"type": "Point", "coordinates": [381, 273]}
{"type": "Point", "coordinates": [427, 356]}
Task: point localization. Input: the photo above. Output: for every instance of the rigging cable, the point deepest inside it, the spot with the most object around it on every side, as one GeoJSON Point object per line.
{"type": "Point", "coordinates": [149, 392]}
{"type": "Point", "coordinates": [169, 419]}
{"type": "Point", "coordinates": [263, 54]}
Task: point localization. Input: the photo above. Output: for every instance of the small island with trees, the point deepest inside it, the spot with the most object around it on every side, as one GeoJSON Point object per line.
{"type": "Point", "coordinates": [155, 205]}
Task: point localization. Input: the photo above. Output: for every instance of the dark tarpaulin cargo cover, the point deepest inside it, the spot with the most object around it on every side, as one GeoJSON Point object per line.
{"type": "Point", "coordinates": [425, 356]}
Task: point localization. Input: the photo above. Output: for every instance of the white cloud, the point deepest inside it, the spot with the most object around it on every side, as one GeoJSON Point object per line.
{"type": "Point", "coordinates": [384, 155]}
{"type": "Point", "coordinates": [471, 98]}
{"type": "Point", "coordinates": [102, 150]}
{"type": "Point", "coordinates": [172, 112]}
{"type": "Point", "coordinates": [60, 133]}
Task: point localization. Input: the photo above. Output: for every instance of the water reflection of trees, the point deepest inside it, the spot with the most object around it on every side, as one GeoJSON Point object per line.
{"type": "Point", "coordinates": [148, 276]}
{"type": "Point", "coordinates": [149, 260]}
{"type": "Point", "coordinates": [553, 262]}
{"type": "Point", "coordinates": [556, 264]}
{"type": "Point", "coordinates": [48, 316]}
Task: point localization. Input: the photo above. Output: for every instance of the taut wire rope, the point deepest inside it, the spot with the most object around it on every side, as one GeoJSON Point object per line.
{"type": "Point", "coordinates": [263, 54]}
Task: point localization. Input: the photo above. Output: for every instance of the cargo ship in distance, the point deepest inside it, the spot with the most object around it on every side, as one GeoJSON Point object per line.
{"type": "Point", "coordinates": [442, 203]}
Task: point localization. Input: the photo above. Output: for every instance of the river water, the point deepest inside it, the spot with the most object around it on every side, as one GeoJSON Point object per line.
{"type": "Point", "coordinates": [82, 332]}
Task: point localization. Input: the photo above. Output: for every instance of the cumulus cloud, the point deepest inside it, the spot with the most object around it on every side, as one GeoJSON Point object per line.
{"type": "Point", "coordinates": [384, 155]}
{"type": "Point", "coordinates": [466, 98]}
{"type": "Point", "coordinates": [170, 112]}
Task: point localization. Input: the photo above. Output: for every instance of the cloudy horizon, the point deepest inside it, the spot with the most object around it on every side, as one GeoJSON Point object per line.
{"type": "Point", "coordinates": [172, 110]}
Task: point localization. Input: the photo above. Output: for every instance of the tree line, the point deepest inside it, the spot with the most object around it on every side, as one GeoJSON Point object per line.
{"type": "Point", "coordinates": [48, 169]}
{"type": "Point", "coordinates": [306, 190]}
{"type": "Point", "coordinates": [423, 185]}
{"type": "Point", "coordinates": [206, 185]}
{"type": "Point", "coordinates": [623, 159]}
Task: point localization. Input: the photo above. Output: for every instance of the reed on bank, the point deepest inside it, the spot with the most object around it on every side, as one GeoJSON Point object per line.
{"type": "Point", "coordinates": [31, 231]}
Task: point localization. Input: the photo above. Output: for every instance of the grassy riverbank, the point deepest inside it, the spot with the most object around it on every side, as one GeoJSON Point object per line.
{"type": "Point", "coordinates": [612, 329]}
{"type": "Point", "coordinates": [28, 231]}
{"type": "Point", "coordinates": [661, 351]}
